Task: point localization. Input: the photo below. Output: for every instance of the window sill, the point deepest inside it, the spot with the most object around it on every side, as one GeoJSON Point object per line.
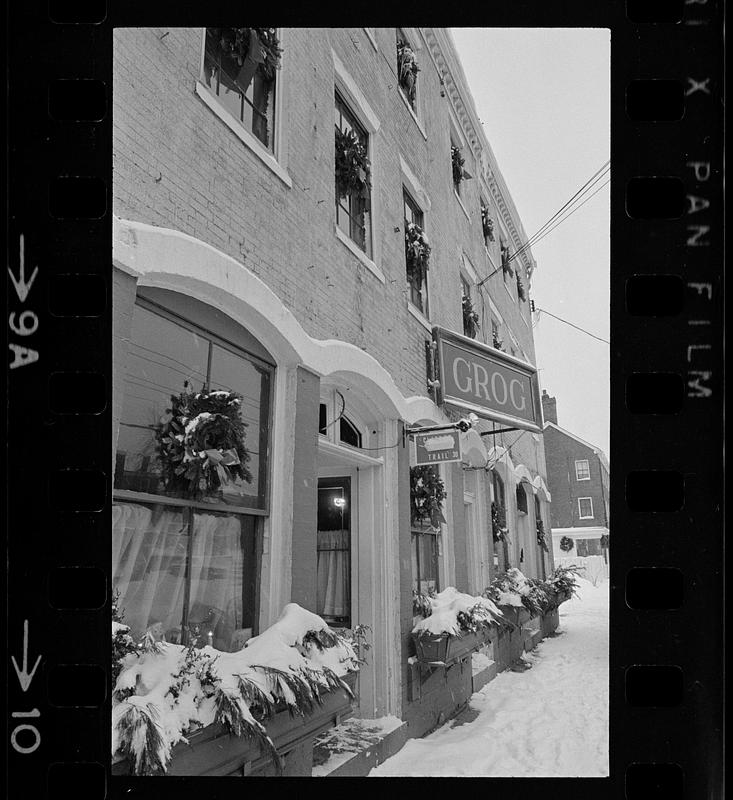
{"type": "Point", "coordinates": [419, 316]}
{"type": "Point", "coordinates": [460, 203]}
{"type": "Point", "coordinates": [360, 254]}
{"type": "Point", "coordinates": [582, 479]}
{"type": "Point", "coordinates": [250, 141]}
{"type": "Point", "coordinates": [412, 113]}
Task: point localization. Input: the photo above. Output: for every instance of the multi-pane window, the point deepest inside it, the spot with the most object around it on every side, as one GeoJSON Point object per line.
{"type": "Point", "coordinates": [585, 507]}
{"type": "Point", "coordinates": [353, 208]}
{"type": "Point", "coordinates": [247, 89]}
{"type": "Point", "coordinates": [333, 551]}
{"type": "Point", "coordinates": [418, 289]}
{"type": "Point", "coordinates": [588, 547]}
{"type": "Point", "coordinates": [185, 565]}
{"type": "Point", "coordinates": [582, 470]}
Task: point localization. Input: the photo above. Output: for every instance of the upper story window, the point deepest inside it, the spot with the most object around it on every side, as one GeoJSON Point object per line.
{"type": "Point", "coordinates": [487, 223]}
{"type": "Point", "coordinates": [506, 264]}
{"type": "Point", "coordinates": [585, 507]}
{"type": "Point", "coordinates": [407, 68]}
{"type": "Point", "coordinates": [582, 470]}
{"type": "Point", "coordinates": [240, 67]}
{"type": "Point", "coordinates": [353, 177]}
{"type": "Point", "coordinates": [470, 316]}
{"type": "Point", "coordinates": [496, 340]}
{"type": "Point", "coordinates": [417, 253]}
{"type": "Point", "coordinates": [521, 288]}
{"type": "Point", "coordinates": [457, 166]}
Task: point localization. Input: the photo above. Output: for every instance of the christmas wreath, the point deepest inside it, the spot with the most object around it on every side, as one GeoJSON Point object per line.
{"type": "Point", "coordinates": [566, 544]}
{"type": "Point", "coordinates": [505, 263]}
{"type": "Point", "coordinates": [470, 318]}
{"type": "Point", "coordinates": [499, 528]}
{"type": "Point", "coordinates": [407, 69]}
{"type": "Point", "coordinates": [353, 170]}
{"type": "Point", "coordinates": [417, 254]}
{"type": "Point", "coordinates": [457, 161]}
{"type": "Point", "coordinates": [497, 342]}
{"type": "Point", "coordinates": [201, 443]}
{"type": "Point", "coordinates": [541, 537]}
{"type": "Point", "coordinates": [521, 293]}
{"type": "Point", "coordinates": [487, 223]}
{"type": "Point", "coordinates": [427, 492]}
{"type": "Point", "coordinates": [257, 45]}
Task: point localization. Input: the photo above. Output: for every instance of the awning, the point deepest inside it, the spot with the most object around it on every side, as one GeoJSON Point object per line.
{"type": "Point", "coordinates": [500, 460]}
{"type": "Point", "coordinates": [541, 489]}
{"type": "Point", "coordinates": [521, 473]}
{"type": "Point", "coordinates": [473, 450]}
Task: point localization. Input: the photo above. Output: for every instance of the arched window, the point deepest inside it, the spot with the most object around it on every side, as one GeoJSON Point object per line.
{"type": "Point", "coordinates": [335, 424]}
{"type": "Point", "coordinates": [184, 552]}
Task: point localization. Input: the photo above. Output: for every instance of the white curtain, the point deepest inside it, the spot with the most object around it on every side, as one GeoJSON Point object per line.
{"type": "Point", "coordinates": [149, 556]}
{"type": "Point", "coordinates": [333, 567]}
{"type": "Point", "coordinates": [148, 566]}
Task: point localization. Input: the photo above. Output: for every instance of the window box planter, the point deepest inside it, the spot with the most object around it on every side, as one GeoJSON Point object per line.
{"type": "Point", "coordinates": [442, 650]}
{"type": "Point", "coordinates": [212, 751]}
{"type": "Point", "coordinates": [516, 614]}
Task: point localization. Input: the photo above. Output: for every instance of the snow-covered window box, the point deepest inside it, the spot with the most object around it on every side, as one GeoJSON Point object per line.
{"type": "Point", "coordinates": [240, 708]}
{"type": "Point", "coordinates": [453, 625]}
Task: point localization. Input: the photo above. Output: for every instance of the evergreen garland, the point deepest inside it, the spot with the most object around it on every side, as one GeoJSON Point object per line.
{"type": "Point", "coordinates": [201, 443]}
{"type": "Point", "coordinates": [499, 528]}
{"type": "Point", "coordinates": [457, 162]}
{"type": "Point", "coordinates": [505, 263]}
{"type": "Point", "coordinates": [138, 722]}
{"type": "Point", "coordinates": [470, 317]}
{"type": "Point", "coordinates": [566, 544]}
{"type": "Point", "coordinates": [564, 580]}
{"type": "Point", "coordinates": [262, 43]}
{"type": "Point", "coordinates": [407, 69]}
{"type": "Point", "coordinates": [541, 536]}
{"type": "Point", "coordinates": [496, 341]}
{"type": "Point", "coordinates": [427, 492]}
{"type": "Point", "coordinates": [521, 293]}
{"type": "Point", "coordinates": [421, 605]}
{"type": "Point", "coordinates": [352, 168]}
{"type": "Point", "coordinates": [487, 223]}
{"type": "Point", "coordinates": [417, 254]}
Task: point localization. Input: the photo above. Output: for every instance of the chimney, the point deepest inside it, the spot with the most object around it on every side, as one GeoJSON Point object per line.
{"type": "Point", "coordinates": [549, 407]}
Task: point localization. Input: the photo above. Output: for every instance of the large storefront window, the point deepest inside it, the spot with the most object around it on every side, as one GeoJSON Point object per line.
{"type": "Point", "coordinates": [425, 561]}
{"type": "Point", "coordinates": [185, 562]}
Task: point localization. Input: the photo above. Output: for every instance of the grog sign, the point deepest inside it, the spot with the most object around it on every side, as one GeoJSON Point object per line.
{"type": "Point", "coordinates": [480, 380]}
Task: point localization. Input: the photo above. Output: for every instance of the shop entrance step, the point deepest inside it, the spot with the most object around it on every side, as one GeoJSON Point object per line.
{"type": "Point", "coordinates": [353, 748]}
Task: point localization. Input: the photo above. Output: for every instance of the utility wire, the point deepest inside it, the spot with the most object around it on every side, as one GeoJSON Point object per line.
{"type": "Point", "coordinates": [569, 214]}
{"type": "Point", "coordinates": [582, 330]}
{"type": "Point", "coordinates": [598, 175]}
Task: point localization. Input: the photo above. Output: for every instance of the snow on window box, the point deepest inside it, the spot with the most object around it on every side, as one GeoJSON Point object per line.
{"type": "Point", "coordinates": [166, 692]}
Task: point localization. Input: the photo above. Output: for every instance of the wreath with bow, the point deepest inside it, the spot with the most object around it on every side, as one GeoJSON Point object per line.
{"type": "Point", "coordinates": [499, 528]}
{"type": "Point", "coordinates": [566, 544]}
{"type": "Point", "coordinates": [470, 317]}
{"type": "Point", "coordinates": [541, 536]}
{"type": "Point", "coordinates": [255, 48]}
{"type": "Point", "coordinates": [457, 162]}
{"type": "Point", "coordinates": [201, 443]}
{"type": "Point", "coordinates": [487, 223]}
{"type": "Point", "coordinates": [427, 492]}
{"type": "Point", "coordinates": [407, 69]}
{"type": "Point", "coordinates": [417, 254]}
{"type": "Point", "coordinates": [353, 170]}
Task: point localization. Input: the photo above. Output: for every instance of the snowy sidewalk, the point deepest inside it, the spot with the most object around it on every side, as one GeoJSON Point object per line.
{"type": "Point", "coordinates": [551, 720]}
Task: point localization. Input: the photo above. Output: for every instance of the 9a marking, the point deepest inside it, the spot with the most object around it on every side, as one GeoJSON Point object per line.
{"type": "Point", "coordinates": [26, 323]}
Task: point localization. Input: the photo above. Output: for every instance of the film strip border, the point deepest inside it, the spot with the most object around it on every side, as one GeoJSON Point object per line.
{"type": "Point", "coordinates": [667, 204]}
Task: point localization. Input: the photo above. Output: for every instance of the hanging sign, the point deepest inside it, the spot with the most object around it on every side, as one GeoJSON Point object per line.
{"type": "Point", "coordinates": [440, 447]}
{"type": "Point", "coordinates": [494, 385]}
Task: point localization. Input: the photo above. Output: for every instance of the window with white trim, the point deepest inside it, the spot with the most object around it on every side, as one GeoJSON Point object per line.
{"type": "Point", "coordinates": [336, 425]}
{"type": "Point", "coordinates": [585, 507]}
{"type": "Point", "coordinates": [582, 470]}
{"type": "Point", "coordinates": [353, 203]}
{"type": "Point", "coordinates": [588, 547]}
{"type": "Point", "coordinates": [240, 69]}
{"type": "Point", "coordinates": [417, 281]}
{"type": "Point", "coordinates": [407, 68]}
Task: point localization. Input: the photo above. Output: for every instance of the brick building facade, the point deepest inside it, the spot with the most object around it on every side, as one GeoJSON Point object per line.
{"type": "Point", "coordinates": [234, 267]}
{"type": "Point", "coordinates": [579, 482]}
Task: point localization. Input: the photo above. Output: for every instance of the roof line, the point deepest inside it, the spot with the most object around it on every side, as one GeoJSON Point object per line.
{"type": "Point", "coordinates": [596, 450]}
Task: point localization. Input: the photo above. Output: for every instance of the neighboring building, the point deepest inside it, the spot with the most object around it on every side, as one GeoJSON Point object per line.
{"type": "Point", "coordinates": [238, 266]}
{"type": "Point", "coordinates": [578, 481]}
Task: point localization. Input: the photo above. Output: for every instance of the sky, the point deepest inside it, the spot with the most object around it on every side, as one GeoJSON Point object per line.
{"type": "Point", "coordinates": [543, 97]}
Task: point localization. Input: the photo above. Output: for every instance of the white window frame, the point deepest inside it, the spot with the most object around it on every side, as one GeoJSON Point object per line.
{"type": "Point", "coordinates": [362, 110]}
{"type": "Point", "coordinates": [275, 160]}
{"type": "Point", "coordinates": [413, 39]}
{"type": "Point", "coordinates": [578, 462]}
{"type": "Point", "coordinates": [330, 398]}
{"type": "Point", "coordinates": [580, 510]}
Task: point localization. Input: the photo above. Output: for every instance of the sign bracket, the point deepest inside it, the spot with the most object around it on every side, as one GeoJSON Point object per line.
{"type": "Point", "coordinates": [501, 430]}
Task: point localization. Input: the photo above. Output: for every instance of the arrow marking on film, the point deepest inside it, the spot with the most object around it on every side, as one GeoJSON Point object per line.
{"type": "Point", "coordinates": [24, 676]}
{"type": "Point", "coordinates": [21, 287]}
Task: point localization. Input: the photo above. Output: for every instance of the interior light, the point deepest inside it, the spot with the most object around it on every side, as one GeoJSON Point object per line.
{"type": "Point", "coordinates": [339, 502]}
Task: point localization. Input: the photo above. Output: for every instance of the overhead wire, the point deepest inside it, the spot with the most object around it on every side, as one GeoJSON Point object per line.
{"type": "Point", "coordinates": [598, 175]}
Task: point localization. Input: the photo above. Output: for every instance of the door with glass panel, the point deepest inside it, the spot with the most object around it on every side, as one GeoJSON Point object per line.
{"type": "Point", "coordinates": [333, 551]}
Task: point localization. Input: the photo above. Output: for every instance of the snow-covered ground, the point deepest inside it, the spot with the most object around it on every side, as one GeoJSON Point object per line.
{"type": "Point", "coordinates": [550, 721]}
